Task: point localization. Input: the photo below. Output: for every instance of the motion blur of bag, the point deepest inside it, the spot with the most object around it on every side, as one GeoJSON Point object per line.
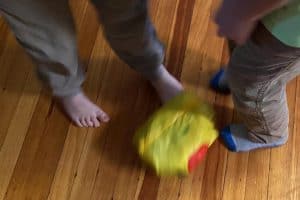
{"type": "Point", "coordinates": [176, 138]}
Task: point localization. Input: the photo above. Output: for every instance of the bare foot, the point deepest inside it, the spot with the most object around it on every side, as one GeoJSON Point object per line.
{"type": "Point", "coordinates": [167, 86]}
{"type": "Point", "coordinates": [82, 111]}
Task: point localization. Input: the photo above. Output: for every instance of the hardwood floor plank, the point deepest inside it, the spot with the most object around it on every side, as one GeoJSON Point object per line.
{"type": "Point", "coordinates": [35, 169]}
{"type": "Point", "coordinates": [13, 75]}
{"type": "Point", "coordinates": [295, 137]}
{"type": "Point", "coordinates": [4, 33]}
{"type": "Point", "coordinates": [181, 29]}
{"type": "Point", "coordinates": [258, 175]}
{"type": "Point", "coordinates": [283, 158]}
{"type": "Point", "coordinates": [17, 131]}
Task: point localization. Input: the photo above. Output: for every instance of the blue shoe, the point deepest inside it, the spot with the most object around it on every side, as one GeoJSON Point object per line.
{"type": "Point", "coordinates": [228, 140]}
{"type": "Point", "coordinates": [235, 138]}
{"type": "Point", "coordinates": [214, 83]}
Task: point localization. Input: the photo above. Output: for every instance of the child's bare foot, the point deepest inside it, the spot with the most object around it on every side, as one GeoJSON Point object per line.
{"type": "Point", "coordinates": [167, 86]}
{"type": "Point", "coordinates": [82, 111]}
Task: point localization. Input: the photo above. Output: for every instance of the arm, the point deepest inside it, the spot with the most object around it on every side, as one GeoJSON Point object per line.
{"type": "Point", "coordinates": [256, 9]}
{"type": "Point", "coordinates": [236, 19]}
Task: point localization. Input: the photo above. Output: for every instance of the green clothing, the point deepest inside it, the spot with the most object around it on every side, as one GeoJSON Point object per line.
{"type": "Point", "coordinates": [284, 24]}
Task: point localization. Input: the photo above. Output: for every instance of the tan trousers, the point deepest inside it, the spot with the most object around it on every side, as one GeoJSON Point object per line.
{"type": "Point", "coordinates": [46, 30]}
{"type": "Point", "coordinates": [258, 73]}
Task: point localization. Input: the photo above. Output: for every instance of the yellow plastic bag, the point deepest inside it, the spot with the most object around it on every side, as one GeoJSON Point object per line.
{"type": "Point", "coordinates": [176, 137]}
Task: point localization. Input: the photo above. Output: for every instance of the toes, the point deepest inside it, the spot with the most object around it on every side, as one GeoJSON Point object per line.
{"type": "Point", "coordinates": [89, 122]}
{"type": "Point", "coordinates": [83, 111]}
{"type": "Point", "coordinates": [78, 123]}
{"type": "Point", "coordinates": [95, 121]}
{"type": "Point", "coordinates": [92, 121]}
{"type": "Point", "coordinates": [83, 122]}
{"type": "Point", "coordinates": [102, 116]}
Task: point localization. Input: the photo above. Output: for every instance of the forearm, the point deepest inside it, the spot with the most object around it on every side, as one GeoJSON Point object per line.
{"type": "Point", "coordinates": [254, 10]}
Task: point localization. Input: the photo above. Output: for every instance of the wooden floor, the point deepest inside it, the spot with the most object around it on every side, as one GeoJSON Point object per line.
{"type": "Point", "coordinates": [43, 156]}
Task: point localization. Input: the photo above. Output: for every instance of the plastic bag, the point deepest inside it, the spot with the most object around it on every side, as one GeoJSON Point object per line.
{"type": "Point", "coordinates": [176, 138]}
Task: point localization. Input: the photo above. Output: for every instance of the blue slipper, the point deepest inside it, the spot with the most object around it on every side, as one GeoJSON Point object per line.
{"type": "Point", "coordinates": [228, 140]}
{"type": "Point", "coordinates": [214, 83]}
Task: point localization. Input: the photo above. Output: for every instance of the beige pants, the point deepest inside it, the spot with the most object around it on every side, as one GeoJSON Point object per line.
{"type": "Point", "coordinates": [258, 73]}
{"type": "Point", "coordinates": [46, 30]}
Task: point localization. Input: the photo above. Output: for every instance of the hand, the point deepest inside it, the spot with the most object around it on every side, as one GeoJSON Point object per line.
{"type": "Point", "coordinates": [231, 25]}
